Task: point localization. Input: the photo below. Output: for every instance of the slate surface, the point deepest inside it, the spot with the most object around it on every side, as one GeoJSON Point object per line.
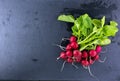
{"type": "Point", "coordinates": [28, 28]}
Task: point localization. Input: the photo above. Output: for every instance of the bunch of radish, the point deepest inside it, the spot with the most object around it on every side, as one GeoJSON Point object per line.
{"type": "Point", "coordinates": [88, 35]}
{"type": "Point", "coordinates": [72, 54]}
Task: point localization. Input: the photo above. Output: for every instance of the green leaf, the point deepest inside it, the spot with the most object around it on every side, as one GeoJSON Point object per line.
{"type": "Point", "coordinates": [96, 22]}
{"type": "Point", "coordinates": [75, 31]}
{"type": "Point", "coordinates": [113, 23]}
{"type": "Point", "coordinates": [110, 30]}
{"type": "Point", "coordinates": [66, 18]}
{"type": "Point", "coordinates": [102, 42]}
{"type": "Point", "coordinates": [95, 28]}
{"type": "Point", "coordinates": [84, 24]}
{"type": "Point", "coordinates": [90, 32]}
{"type": "Point", "coordinates": [92, 46]}
{"type": "Point", "coordinates": [99, 23]}
{"type": "Point", "coordinates": [103, 21]}
{"type": "Point", "coordinates": [95, 42]}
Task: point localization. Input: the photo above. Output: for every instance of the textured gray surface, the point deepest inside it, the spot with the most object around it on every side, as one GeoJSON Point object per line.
{"type": "Point", "coordinates": [28, 28]}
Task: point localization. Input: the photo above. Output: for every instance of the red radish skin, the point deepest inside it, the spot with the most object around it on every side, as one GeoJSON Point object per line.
{"type": "Point", "coordinates": [85, 63]}
{"type": "Point", "coordinates": [68, 47]}
{"type": "Point", "coordinates": [78, 59]}
{"type": "Point", "coordinates": [74, 45]}
{"type": "Point", "coordinates": [92, 53]}
{"type": "Point", "coordinates": [73, 39]}
{"type": "Point", "coordinates": [72, 54]}
{"type": "Point", "coordinates": [69, 60]}
{"type": "Point", "coordinates": [91, 61]}
{"type": "Point", "coordinates": [96, 57]}
{"type": "Point", "coordinates": [98, 49]}
{"type": "Point", "coordinates": [76, 53]}
{"type": "Point", "coordinates": [69, 53]}
{"type": "Point", "coordinates": [63, 55]}
{"type": "Point", "coordinates": [84, 54]}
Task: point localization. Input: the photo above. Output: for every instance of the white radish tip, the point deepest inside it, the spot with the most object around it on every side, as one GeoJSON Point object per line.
{"type": "Point", "coordinates": [57, 58]}
{"type": "Point", "coordinates": [84, 67]}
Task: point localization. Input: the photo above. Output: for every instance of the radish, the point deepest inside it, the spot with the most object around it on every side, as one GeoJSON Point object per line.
{"type": "Point", "coordinates": [76, 53]}
{"type": "Point", "coordinates": [72, 39]}
{"type": "Point", "coordinates": [85, 63]}
{"type": "Point", "coordinates": [84, 54]}
{"type": "Point", "coordinates": [91, 61]}
{"type": "Point", "coordinates": [69, 53]}
{"type": "Point", "coordinates": [68, 47]}
{"type": "Point", "coordinates": [62, 55]}
{"type": "Point", "coordinates": [74, 45]}
{"type": "Point", "coordinates": [92, 53]}
{"type": "Point", "coordinates": [69, 60]}
{"type": "Point", "coordinates": [77, 59]}
{"type": "Point", "coordinates": [96, 57]}
{"type": "Point", "coordinates": [98, 49]}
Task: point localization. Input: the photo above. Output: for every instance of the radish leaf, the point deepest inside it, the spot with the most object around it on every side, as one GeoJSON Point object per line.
{"type": "Point", "coordinates": [90, 32]}
{"type": "Point", "coordinates": [66, 18]}
{"type": "Point", "coordinates": [110, 30]}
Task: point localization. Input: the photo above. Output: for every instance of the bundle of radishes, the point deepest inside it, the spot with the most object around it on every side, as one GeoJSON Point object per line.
{"type": "Point", "coordinates": [72, 54]}
{"type": "Point", "coordinates": [88, 35]}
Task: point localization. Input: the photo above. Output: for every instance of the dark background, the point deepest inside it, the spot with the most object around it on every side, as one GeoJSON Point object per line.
{"type": "Point", "coordinates": [29, 28]}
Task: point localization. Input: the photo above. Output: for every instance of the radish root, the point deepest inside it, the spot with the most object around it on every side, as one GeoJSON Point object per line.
{"type": "Point", "coordinates": [84, 67]}
{"type": "Point", "coordinates": [102, 61]}
{"type": "Point", "coordinates": [65, 39]}
{"type": "Point", "coordinates": [57, 58]}
{"type": "Point", "coordinates": [61, 47]}
{"type": "Point", "coordinates": [75, 66]}
{"type": "Point", "coordinates": [63, 65]}
{"type": "Point", "coordinates": [104, 51]}
{"type": "Point", "coordinates": [90, 71]}
{"type": "Point", "coordinates": [91, 74]}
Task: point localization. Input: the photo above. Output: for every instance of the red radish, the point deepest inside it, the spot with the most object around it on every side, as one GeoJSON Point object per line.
{"type": "Point", "coordinates": [91, 61]}
{"type": "Point", "coordinates": [83, 58]}
{"type": "Point", "coordinates": [85, 63]}
{"type": "Point", "coordinates": [84, 54]}
{"type": "Point", "coordinates": [74, 45]}
{"type": "Point", "coordinates": [69, 53]}
{"type": "Point", "coordinates": [69, 60]}
{"type": "Point", "coordinates": [77, 59]}
{"type": "Point", "coordinates": [68, 47]}
{"type": "Point", "coordinates": [92, 53]}
{"type": "Point", "coordinates": [72, 39]}
{"type": "Point", "coordinates": [62, 55]}
{"type": "Point", "coordinates": [98, 49]}
{"type": "Point", "coordinates": [96, 57]}
{"type": "Point", "coordinates": [76, 53]}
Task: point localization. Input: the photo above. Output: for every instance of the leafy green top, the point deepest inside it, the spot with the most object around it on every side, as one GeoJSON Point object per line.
{"type": "Point", "coordinates": [90, 32]}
